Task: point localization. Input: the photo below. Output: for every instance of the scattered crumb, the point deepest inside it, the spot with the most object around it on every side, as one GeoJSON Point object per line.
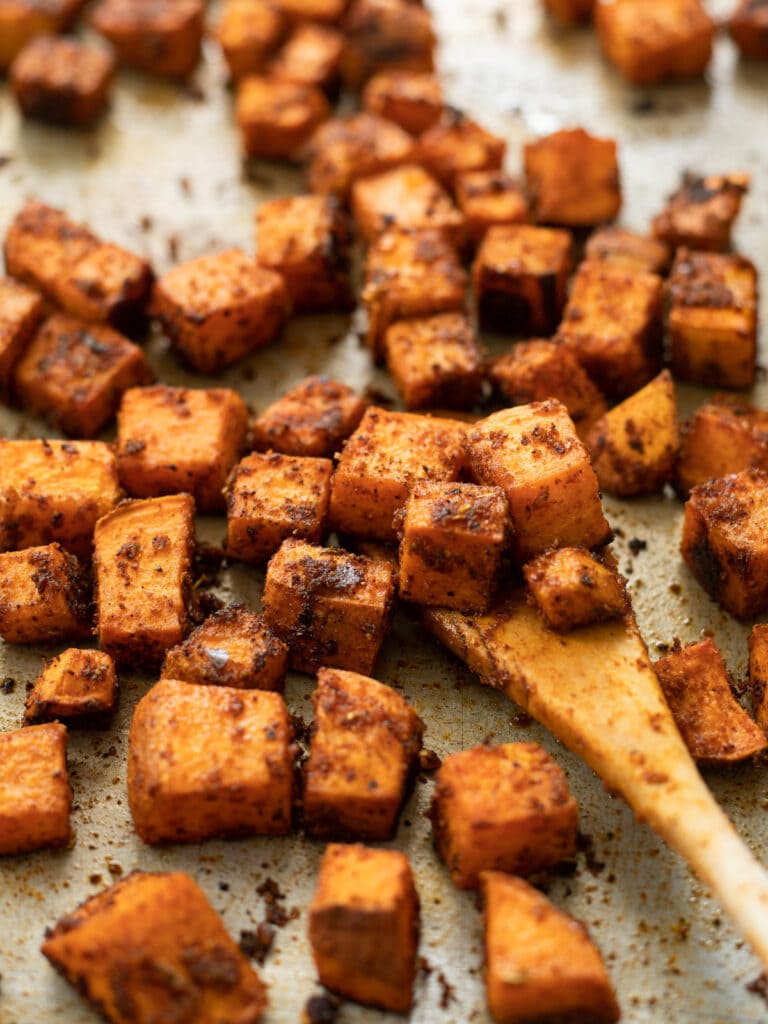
{"type": "Point", "coordinates": [429, 761]}
{"type": "Point", "coordinates": [258, 944]}
{"type": "Point", "coordinates": [637, 544]}
{"type": "Point", "coordinates": [8, 685]}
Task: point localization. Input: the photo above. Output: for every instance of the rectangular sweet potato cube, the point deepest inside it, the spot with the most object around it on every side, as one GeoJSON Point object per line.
{"type": "Point", "coordinates": [570, 12]}
{"type": "Point", "coordinates": [724, 436]}
{"type": "Point", "coordinates": [613, 325]}
{"type": "Point", "coordinates": [142, 561]}
{"type": "Point", "coordinates": [35, 797]}
{"type": "Point", "coordinates": [171, 440]}
{"type": "Point", "coordinates": [248, 32]}
{"type": "Point", "coordinates": [62, 80]}
{"type": "Point", "coordinates": [21, 311]}
{"type": "Point", "coordinates": [713, 319]}
{"type": "Point", "coordinates": [386, 35]}
{"type": "Point", "coordinates": [347, 148]}
{"type": "Point", "coordinates": [364, 926]}
{"type": "Point", "coordinates": [748, 27]}
{"type": "Point", "coordinates": [272, 497]}
{"type": "Point", "coordinates": [74, 373]}
{"type": "Point", "coordinates": [758, 673]}
{"type": "Point", "coordinates": [621, 248]}
{"type": "Point", "coordinates": [409, 198]}
{"type": "Point", "coordinates": [218, 308]}
{"type": "Point", "coordinates": [519, 277]}
{"type": "Point", "coordinates": [312, 418]}
{"type": "Point", "coordinates": [209, 761]}
{"type": "Point", "coordinates": [571, 588]}
{"type": "Point", "coordinates": [533, 453]}
{"type": "Point", "coordinates": [234, 647]}
{"type": "Point", "coordinates": [387, 454]}
{"type": "Point", "coordinates": [456, 144]}
{"type": "Point", "coordinates": [505, 808]}
{"type": "Point", "coordinates": [77, 683]}
{"type": "Point", "coordinates": [412, 99]}
{"type": "Point", "coordinates": [306, 240]}
{"type": "Point", "coordinates": [488, 198]}
{"type": "Point", "coordinates": [23, 20]}
{"type": "Point", "coordinates": [152, 946]}
{"type": "Point", "coordinates": [311, 55]}
{"type": "Point", "coordinates": [331, 608]}
{"type": "Point", "coordinates": [540, 963]}
{"type": "Point", "coordinates": [44, 596]}
{"type": "Point", "coordinates": [276, 118]}
{"type": "Point", "coordinates": [364, 743]}
{"type": "Point", "coordinates": [702, 211]}
{"type": "Point", "coordinates": [160, 37]}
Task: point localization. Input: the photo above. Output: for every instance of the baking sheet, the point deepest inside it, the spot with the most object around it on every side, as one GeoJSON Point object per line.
{"type": "Point", "coordinates": [162, 175]}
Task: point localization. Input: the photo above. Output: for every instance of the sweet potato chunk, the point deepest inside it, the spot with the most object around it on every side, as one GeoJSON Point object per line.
{"type": "Point", "coordinates": [209, 761]}
{"type": "Point", "coordinates": [573, 178]}
{"type": "Point", "coordinates": [634, 446]}
{"type": "Point", "coordinates": [234, 647]}
{"type": "Point", "coordinates": [310, 56]}
{"type": "Point", "coordinates": [348, 148]}
{"type": "Point", "coordinates": [180, 439]}
{"type": "Point", "coordinates": [702, 211]}
{"type": "Point", "coordinates": [715, 727]}
{"type": "Point", "coordinates": [364, 926]}
{"type": "Point", "coordinates": [572, 588]}
{"type": "Point", "coordinates": [540, 963]}
{"type": "Point", "coordinates": [408, 198]}
{"type": "Point", "coordinates": [519, 277]}
{"type": "Point", "coordinates": [21, 311]}
{"type": "Point", "coordinates": [412, 99]}
{"type": "Point", "coordinates": [724, 436]}
{"type": "Point", "coordinates": [44, 596]}
{"type": "Point", "coordinates": [311, 419]}
{"type": "Point", "coordinates": [628, 251]}
{"type": "Point", "coordinates": [532, 453]}
{"type": "Point", "coordinates": [386, 35]}
{"type": "Point", "coordinates": [505, 807]}
{"type": "Point", "coordinates": [749, 28]}
{"type": "Point", "coordinates": [570, 12]}
{"type": "Point", "coordinates": [323, 11]}
{"type": "Point", "coordinates": [248, 32]}
{"type": "Point", "coordinates": [365, 740]}
{"type": "Point", "coordinates": [713, 319]}
{"type": "Point", "coordinates": [62, 80]}
{"type": "Point", "coordinates": [77, 683]}
{"type": "Point", "coordinates": [488, 198]}
{"type": "Point", "coordinates": [613, 325]}
{"type": "Point", "coordinates": [725, 541]}
{"type": "Point", "coordinates": [152, 947]}
{"type": "Point", "coordinates": [142, 560]}
{"type": "Point", "coordinates": [216, 309]}
{"type": "Point", "coordinates": [35, 797]}
{"type": "Point", "coordinates": [331, 608]}
{"type": "Point", "coordinates": [272, 497]}
{"type": "Point", "coordinates": [161, 37]}
{"type": "Point", "coordinates": [75, 373]}
{"type": "Point", "coordinates": [277, 118]}
{"type": "Point", "coordinates": [23, 20]}
{"type": "Point", "coordinates": [758, 673]}
{"type": "Point", "coordinates": [456, 145]}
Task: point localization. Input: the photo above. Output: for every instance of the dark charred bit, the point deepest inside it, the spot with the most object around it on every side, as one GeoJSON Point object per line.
{"type": "Point", "coordinates": [320, 1010]}
{"type": "Point", "coordinates": [585, 845]}
{"type": "Point", "coordinates": [447, 991]}
{"type": "Point", "coordinates": [637, 544]}
{"type": "Point", "coordinates": [8, 685]}
{"type": "Point", "coordinates": [759, 986]}
{"type": "Point", "coordinates": [429, 761]}
{"type": "Point", "coordinates": [276, 914]}
{"type": "Point", "coordinates": [257, 944]}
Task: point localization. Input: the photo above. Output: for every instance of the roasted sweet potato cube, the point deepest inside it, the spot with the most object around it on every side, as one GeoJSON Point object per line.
{"type": "Point", "coordinates": [621, 248]}
{"type": "Point", "coordinates": [364, 742]}
{"type": "Point", "coordinates": [436, 362]}
{"type": "Point", "coordinates": [407, 274]}
{"type": "Point", "coordinates": [23, 20]}
{"type": "Point", "coordinates": [311, 419]}
{"type": "Point", "coordinates": [310, 56]}
{"type": "Point", "coordinates": [74, 374]}
{"type": "Point", "coordinates": [152, 946]}
{"type": "Point", "coordinates": [78, 683]}
{"type": "Point", "coordinates": [324, 11]}
{"type": "Point", "coordinates": [715, 727]}
{"type": "Point", "coordinates": [306, 240]}
{"type": "Point", "coordinates": [161, 37]}
{"type": "Point", "coordinates": [409, 198]}
{"type": "Point", "coordinates": [388, 453]}
{"type": "Point", "coordinates": [570, 12]}
{"type": "Point", "coordinates": [613, 324]}
{"type": "Point", "coordinates": [271, 497]}
{"type": "Point", "coordinates": [725, 541]}
{"type": "Point", "coordinates": [216, 309]}
{"type": "Point", "coordinates": [655, 40]}
{"type": "Point", "coordinates": [634, 447]}
{"type": "Point", "coordinates": [749, 28]}
{"type": "Point", "coordinates": [412, 99]}
{"type": "Point", "coordinates": [35, 797]}
{"type": "Point", "coordinates": [572, 588]}
{"type": "Point", "coordinates": [386, 35]}
{"type": "Point", "coordinates": [21, 311]}
{"type": "Point", "coordinates": [347, 148]}
{"type": "Point", "coordinates": [713, 319]}
{"type": "Point", "coordinates": [488, 198]}
{"type": "Point", "coordinates": [331, 608]}
{"type": "Point", "coordinates": [700, 214]}
{"type": "Point", "coordinates": [722, 437]}
{"type": "Point", "coordinates": [248, 32]}
{"type": "Point", "coordinates": [453, 539]}
{"type": "Point", "coordinates": [277, 118]}
{"type": "Point", "coordinates": [142, 560]}
{"type": "Point", "coordinates": [209, 761]}
{"type": "Point", "coordinates": [540, 963]}
{"type": "Point", "coordinates": [234, 647]}
{"type": "Point", "coordinates": [532, 453]}
{"type": "Point", "coordinates": [44, 596]}
{"type": "Point", "coordinates": [758, 673]}
{"type": "Point", "coordinates": [520, 277]}
{"type": "Point", "coordinates": [505, 808]}
{"type": "Point", "coordinates": [456, 145]}
{"type": "Point", "coordinates": [364, 926]}
{"type": "Point", "coordinates": [62, 80]}
{"type": "Point", "coordinates": [180, 439]}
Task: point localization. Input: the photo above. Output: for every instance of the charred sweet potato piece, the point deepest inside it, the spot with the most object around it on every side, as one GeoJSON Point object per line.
{"type": "Point", "coordinates": [142, 560]}
{"type": "Point", "coordinates": [44, 596]}
{"type": "Point", "coordinates": [331, 608]}
{"type": "Point", "coordinates": [573, 178]}
{"type": "Point", "coordinates": [748, 27]}
{"type": "Point", "coordinates": [277, 118]}
{"type": "Point", "coordinates": [161, 37]}
{"type": "Point", "coordinates": [456, 144]}
{"type": "Point", "coordinates": [209, 761]}
{"type": "Point", "coordinates": [347, 148]}
{"type": "Point", "coordinates": [23, 20]}
{"type": "Point", "coordinates": [311, 55]}
{"type": "Point", "coordinates": [758, 673]}
{"type": "Point", "coordinates": [715, 727]}
{"type": "Point", "coordinates": [412, 99]}
{"type": "Point", "coordinates": [249, 31]}
{"type": "Point", "coordinates": [364, 926]}
{"type": "Point", "coordinates": [234, 647]}
{"type": "Point", "coordinates": [311, 419]}
{"type": "Point", "coordinates": [702, 211]}
{"type": "Point", "coordinates": [505, 808]}
{"type": "Point", "coordinates": [488, 198]}
{"type": "Point", "coordinates": [408, 198]}
{"type": "Point", "coordinates": [152, 946]}
{"type": "Point", "coordinates": [386, 35]}
{"type": "Point", "coordinates": [540, 963]}
{"type": "Point", "coordinates": [62, 80]}
{"type": "Point", "coordinates": [364, 742]}
{"type": "Point", "coordinates": [628, 251]}
{"type": "Point", "coordinates": [78, 683]}
{"type": "Point", "coordinates": [21, 311]}
{"type": "Point", "coordinates": [570, 12]}
{"type": "Point", "coordinates": [572, 588]}
{"type": "Point", "coordinates": [724, 436]}
{"type": "Point", "coordinates": [35, 798]}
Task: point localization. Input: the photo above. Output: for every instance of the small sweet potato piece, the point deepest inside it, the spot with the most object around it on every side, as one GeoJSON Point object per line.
{"type": "Point", "coordinates": [488, 198]}
{"type": "Point", "coordinates": [748, 27]}
{"type": "Point", "coordinates": [456, 144]}
{"type": "Point", "coordinates": [724, 436]}
{"type": "Point", "coordinates": [702, 211]}
{"type": "Point", "coordinates": [364, 926]}
{"type": "Point", "coordinates": [35, 798]}
{"type": "Point", "coordinates": [572, 588]}
{"type": "Point", "coordinates": [715, 727]}
{"type": "Point", "coordinates": [77, 683]}
{"type": "Point", "coordinates": [44, 596]}
{"type": "Point", "coordinates": [628, 251]}
{"type": "Point", "coordinates": [412, 99]}
{"type": "Point", "coordinates": [570, 12]}
{"type": "Point", "coordinates": [64, 81]}
{"type": "Point", "coordinates": [409, 198]}
{"type": "Point", "coordinates": [161, 37]}
{"type": "Point", "coordinates": [277, 118]}
{"type": "Point", "coordinates": [23, 20]}
{"type": "Point", "coordinates": [505, 808]}
{"type": "Point", "coordinates": [21, 311]}
{"type": "Point", "coordinates": [573, 178]}
{"type": "Point", "coordinates": [347, 148]}
{"type": "Point", "coordinates": [758, 673]}
{"type": "Point", "coordinates": [248, 32]}
{"type": "Point", "coordinates": [386, 35]}
{"type": "Point", "coordinates": [311, 55]}
{"type": "Point", "coordinates": [311, 419]}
